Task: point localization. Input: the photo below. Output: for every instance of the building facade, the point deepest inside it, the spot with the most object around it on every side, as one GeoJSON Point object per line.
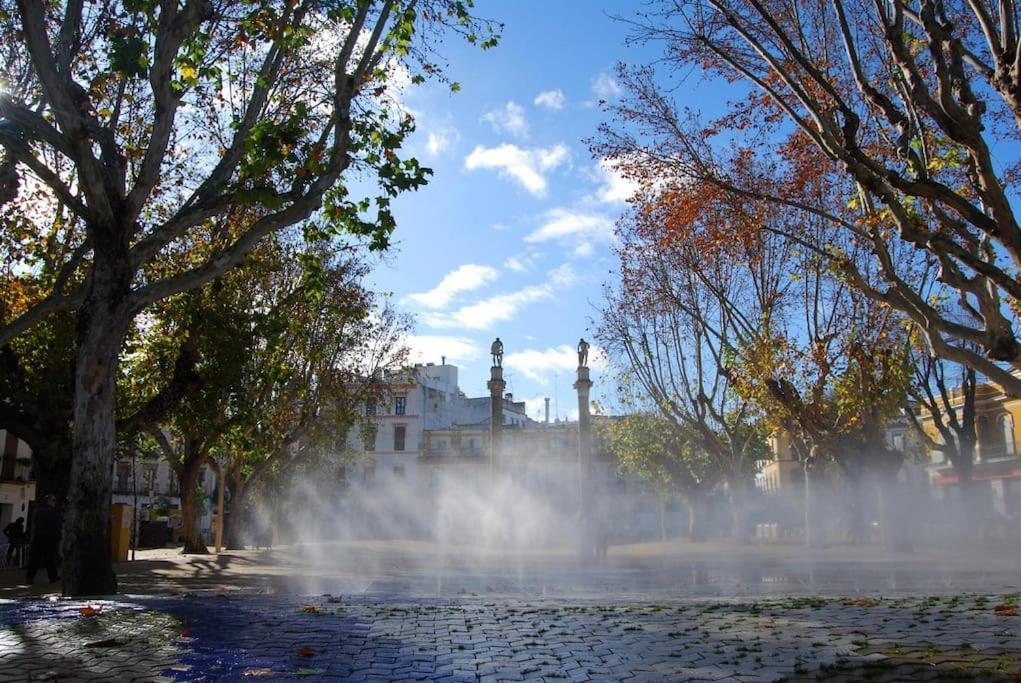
{"type": "Point", "coordinates": [997, 469]}
{"type": "Point", "coordinates": [17, 489]}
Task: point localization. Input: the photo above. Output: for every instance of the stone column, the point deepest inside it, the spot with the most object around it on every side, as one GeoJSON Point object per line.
{"type": "Point", "coordinates": [586, 541]}
{"type": "Point", "coordinates": [496, 387]}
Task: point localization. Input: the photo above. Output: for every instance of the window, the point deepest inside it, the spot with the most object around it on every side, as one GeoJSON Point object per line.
{"type": "Point", "coordinates": [399, 433]}
{"type": "Point", "coordinates": [123, 476]}
{"type": "Point", "coordinates": [1007, 425]}
{"type": "Point", "coordinates": [369, 474]}
{"type": "Point", "coordinates": [398, 471]}
{"type": "Point", "coordinates": [149, 477]}
{"type": "Point", "coordinates": [400, 405]}
{"type": "Point", "coordinates": [370, 408]}
{"type": "Point", "coordinates": [985, 438]}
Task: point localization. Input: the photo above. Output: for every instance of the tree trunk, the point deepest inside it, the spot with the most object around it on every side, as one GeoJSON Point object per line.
{"type": "Point", "coordinates": [236, 517]}
{"type": "Point", "coordinates": [661, 506]}
{"type": "Point", "coordinates": [738, 499]}
{"type": "Point", "coordinates": [855, 506]}
{"type": "Point", "coordinates": [86, 546]}
{"type": "Point", "coordinates": [696, 519]}
{"type": "Point", "coordinates": [969, 499]}
{"type": "Point", "coordinates": [813, 537]}
{"type": "Point", "coordinates": [892, 514]}
{"type": "Point", "coordinates": [193, 543]}
{"type": "Point", "coordinates": [51, 467]}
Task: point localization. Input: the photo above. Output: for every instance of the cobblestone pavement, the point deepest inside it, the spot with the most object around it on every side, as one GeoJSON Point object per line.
{"type": "Point", "coordinates": [216, 637]}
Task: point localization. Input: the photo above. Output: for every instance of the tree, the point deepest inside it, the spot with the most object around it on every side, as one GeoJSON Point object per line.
{"type": "Point", "coordinates": [665, 455]}
{"type": "Point", "coordinates": [763, 328]}
{"type": "Point", "coordinates": [674, 321]}
{"type": "Point", "coordinates": [952, 412]}
{"type": "Point", "coordinates": [830, 372]}
{"type": "Point", "coordinates": [305, 390]}
{"type": "Point", "coordinates": [157, 128]}
{"type": "Point", "coordinates": [877, 117]}
{"type": "Point", "coordinates": [275, 346]}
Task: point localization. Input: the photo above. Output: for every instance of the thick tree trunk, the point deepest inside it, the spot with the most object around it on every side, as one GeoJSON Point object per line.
{"type": "Point", "coordinates": [88, 568]}
{"type": "Point", "coordinates": [189, 477]}
{"type": "Point", "coordinates": [696, 519]}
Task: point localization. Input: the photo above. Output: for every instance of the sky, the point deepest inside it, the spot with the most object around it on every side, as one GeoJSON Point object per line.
{"type": "Point", "coordinates": [513, 235]}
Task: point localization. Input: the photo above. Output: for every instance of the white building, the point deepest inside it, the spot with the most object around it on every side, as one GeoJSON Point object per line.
{"type": "Point", "coordinates": [426, 399]}
{"type": "Point", "coordinates": [426, 470]}
{"type": "Point", "coordinates": [17, 489]}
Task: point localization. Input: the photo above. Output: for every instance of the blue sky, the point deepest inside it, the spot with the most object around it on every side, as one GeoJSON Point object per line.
{"type": "Point", "coordinates": [513, 235]}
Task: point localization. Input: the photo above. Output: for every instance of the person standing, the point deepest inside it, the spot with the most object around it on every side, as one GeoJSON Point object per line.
{"type": "Point", "coordinates": [45, 540]}
{"type": "Point", "coordinates": [15, 533]}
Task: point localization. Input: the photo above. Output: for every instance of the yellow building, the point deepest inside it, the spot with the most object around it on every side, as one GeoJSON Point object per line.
{"type": "Point", "coordinates": [997, 465]}
{"type": "Point", "coordinates": [784, 473]}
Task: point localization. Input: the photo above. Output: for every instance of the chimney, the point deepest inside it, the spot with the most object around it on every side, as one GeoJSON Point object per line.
{"type": "Point", "coordinates": [547, 409]}
{"type": "Point", "coordinates": [443, 360]}
{"type": "Point", "coordinates": [509, 397]}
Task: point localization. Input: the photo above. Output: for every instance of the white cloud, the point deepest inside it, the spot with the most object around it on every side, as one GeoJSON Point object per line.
{"type": "Point", "coordinates": [508, 119]}
{"type": "Point", "coordinates": [551, 99]}
{"type": "Point", "coordinates": [521, 263]}
{"type": "Point", "coordinates": [463, 279]}
{"type": "Point", "coordinates": [540, 365]}
{"type": "Point", "coordinates": [432, 348]}
{"type": "Point", "coordinates": [605, 86]}
{"type": "Point", "coordinates": [483, 314]}
{"type": "Point", "coordinates": [577, 229]}
{"type": "Point", "coordinates": [440, 140]}
{"type": "Point", "coordinates": [526, 166]}
{"type": "Point", "coordinates": [616, 189]}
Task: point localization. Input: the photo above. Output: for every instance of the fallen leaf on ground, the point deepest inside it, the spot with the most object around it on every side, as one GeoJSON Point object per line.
{"type": "Point", "coordinates": [257, 673]}
{"type": "Point", "coordinates": [310, 609]}
{"type": "Point", "coordinates": [306, 651]}
{"type": "Point", "coordinates": [1005, 610]}
{"type": "Point", "coordinates": [88, 611]}
{"type": "Point", "coordinates": [186, 632]}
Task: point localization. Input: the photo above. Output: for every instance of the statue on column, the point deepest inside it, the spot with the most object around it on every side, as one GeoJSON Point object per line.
{"type": "Point", "coordinates": [497, 350]}
{"type": "Point", "coordinates": [583, 353]}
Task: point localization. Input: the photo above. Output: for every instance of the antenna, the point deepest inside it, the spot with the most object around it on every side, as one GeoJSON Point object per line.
{"type": "Point", "coordinates": [556, 394]}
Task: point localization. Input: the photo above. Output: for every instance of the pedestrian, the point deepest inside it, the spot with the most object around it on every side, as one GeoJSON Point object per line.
{"type": "Point", "coordinates": [15, 533]}
{"type": "Point", "coordinates": [45, 540]}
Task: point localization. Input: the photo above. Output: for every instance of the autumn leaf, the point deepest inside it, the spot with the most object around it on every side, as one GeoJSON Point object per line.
{"type": "Point", "coordinates": [1005, 610]}
{"type": "Point", "coordinates": [310, 609]}
{"type": "Point", "coordinates": [306, 651]}
{"type": "Point", "coordinates": [88, 611]}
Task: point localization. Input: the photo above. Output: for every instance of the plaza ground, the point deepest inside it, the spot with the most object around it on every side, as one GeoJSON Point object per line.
{"type": "Point", "coordinates": [402, 610]}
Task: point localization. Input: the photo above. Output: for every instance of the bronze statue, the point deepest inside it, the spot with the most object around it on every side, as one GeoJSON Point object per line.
{"type": "Point", "coordinates": [497, 350]}
{"type": "Point", "coordinates": [582, 353]}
